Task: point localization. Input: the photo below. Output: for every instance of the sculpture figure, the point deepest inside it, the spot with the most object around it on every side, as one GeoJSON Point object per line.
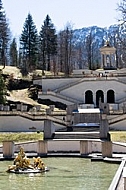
{"type": "Point", "coordinates": [22, 163]}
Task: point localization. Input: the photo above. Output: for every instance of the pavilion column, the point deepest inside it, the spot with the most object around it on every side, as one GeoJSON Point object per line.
{"type": "Point", "coordinates": [102, 60]}
{"type": "Point", "coordinates": [111, 64]}
{"type": "Point", "coordinates": [114, 60]}
{"type": "Point", "coordinates": [105, 62]}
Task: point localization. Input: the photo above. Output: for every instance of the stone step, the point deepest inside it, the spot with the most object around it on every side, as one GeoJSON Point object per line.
{"type": "Point", "coordinates": [85, 129]}
{"type": "Point", "coordinates": [76, 135]}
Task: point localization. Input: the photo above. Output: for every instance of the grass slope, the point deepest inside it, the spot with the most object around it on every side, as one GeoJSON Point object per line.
{"type": "Point", "coordinates": [21, 137]}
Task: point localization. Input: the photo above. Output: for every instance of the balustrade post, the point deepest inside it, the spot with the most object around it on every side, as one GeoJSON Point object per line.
{"type": "Point", "coordinates": [8, 149]}
{"type": "Point", "coordinates": [107, 149]}
{"type": "Point", "coordinates": [85, 147]}
{"type": "Point", "coordinates": [42, 148]}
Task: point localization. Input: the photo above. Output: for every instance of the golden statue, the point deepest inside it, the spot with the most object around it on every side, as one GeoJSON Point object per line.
{"type": "Point", "coordinates": [38, 163]}
{"type": "Point", "coordinates": [21, 162]}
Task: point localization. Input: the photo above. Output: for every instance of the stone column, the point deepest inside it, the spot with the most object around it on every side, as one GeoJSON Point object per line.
{"type": "Point", "coordinates": [107, 149]}
{"type": "Point", "coordinates": [105, 64]}
{"type": "Point", "coordinates": [94, 98]}
{"type": "Point", "coordinates": [8, 149]}
{"type": "Point", "coordinates": [49, 129]}
{"type": "Point", "coordinates": [104, 126]}
{"type": "Point", "coordinates": [85, 147]}
{"type": "Point", "coordinates": [69, 111]}
{"type": "Point", "coordinates": [105, 97]}
{"type": "Point", "coordinates": [101, 61]}
{"type": "Point", "coordinates": [84, 97]}
{"type": "Point", "coordinates": [115, 64]}
{"type": "Point", "coordinates": [42, 148]}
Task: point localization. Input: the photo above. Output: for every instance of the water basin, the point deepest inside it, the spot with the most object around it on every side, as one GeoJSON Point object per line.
{"type": "Point", "coordinates": [64, 174]}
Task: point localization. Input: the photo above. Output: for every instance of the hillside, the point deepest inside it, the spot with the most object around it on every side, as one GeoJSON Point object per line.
{"type": "Point", "coordinates": [21, 95]}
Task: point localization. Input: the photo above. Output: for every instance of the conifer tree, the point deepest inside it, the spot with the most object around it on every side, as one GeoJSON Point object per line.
{"type": "Point", "coordinates": [2, 90]}
{"type": "Point", "coordinates": [4, 35]}
{"type": "Point", "coordinates": [13, 53]}
{"type": "Point", "coordinates": [29, 44]}
{"type": "Point", "coordinates": [48, 42]}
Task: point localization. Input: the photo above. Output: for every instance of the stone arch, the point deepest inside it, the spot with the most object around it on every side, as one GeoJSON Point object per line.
{"type": "Point", "coordinates": [88, 97]}
{"type": "Point", "coordinates": [110, 96]}
{"type": "Point", "coordinates": [99, 94]}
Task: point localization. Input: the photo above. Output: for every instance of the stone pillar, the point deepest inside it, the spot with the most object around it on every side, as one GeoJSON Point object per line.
{"type": "Point", "coordinates": [8, 149]}
{"type": "Point", "coordinates": [69, 111]}
{"type": "Point", "coordinates": [111, 64]}
{"type": "Point", "coordinates": [115, 64]}
{"type": "Point", "coordinates": [6, 108]}
{"type": "Point", "coordinates": [42, 148]}
{"type": "Point", "coordinates": [18, 107]}
{"type": "Point", "coordinates": [105, 64]}
{"type": "Point", "coordinates": [1, 107]}
{"type": "Point", "coordinates": [85, 147]}
{"type": "Point", "coordinates": [107, 149]}
{"type": "Point", "coordinates": [94, 98]}
{"type": "Point", "coordinates": [84, 97]}
{"type": "Point", "coordinates": [49, 129]}
{"type": "Point", "coordinates": [101, 61]}
{"type": "Point", "coordinates": [104, 126]}
{"type": "Point", "coordinates": [105, 97]}
{"type": "Point", "coordinates": [48, 111]}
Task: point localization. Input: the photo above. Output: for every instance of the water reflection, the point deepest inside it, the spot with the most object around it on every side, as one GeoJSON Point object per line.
{"type": "Point", "coordinates": [65, 173]}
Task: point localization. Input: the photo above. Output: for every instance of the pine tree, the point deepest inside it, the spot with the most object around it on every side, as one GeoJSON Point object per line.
{"type": "Point", "coordinates": [4, 36]}
{"type": "Point", "coordinates": [13, 53]}
{"type": "Point", "coordinates": [48, 42]}
{"type": "Point", "coordinates": [2, 90]}
{"type": "Point", "coordinates": [29, 44]}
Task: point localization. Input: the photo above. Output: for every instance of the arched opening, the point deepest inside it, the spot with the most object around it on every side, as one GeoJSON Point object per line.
{"type": "Point", "coordinates": [88, 97]}
{"type": "Point", "coordinates": [99, 94]}
{"type": "Point", "coordinates": [110, 96]}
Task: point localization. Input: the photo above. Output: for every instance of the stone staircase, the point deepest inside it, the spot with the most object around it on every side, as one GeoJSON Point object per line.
{"type": "Point", "coordinates": [76, 135]}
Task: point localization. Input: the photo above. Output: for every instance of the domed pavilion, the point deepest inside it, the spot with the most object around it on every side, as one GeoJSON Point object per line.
{"type": "Point", "coordinates": [108, 57]}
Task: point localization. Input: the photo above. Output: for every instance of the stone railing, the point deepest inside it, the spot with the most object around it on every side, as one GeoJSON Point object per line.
{"type": "Point", "coordinates": [115, 185]}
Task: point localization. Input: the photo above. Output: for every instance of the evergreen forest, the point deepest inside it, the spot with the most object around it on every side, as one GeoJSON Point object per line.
{"type": "Point", "coordinates": [49, 50]}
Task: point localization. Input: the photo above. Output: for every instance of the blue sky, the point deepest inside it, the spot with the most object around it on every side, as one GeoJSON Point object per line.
{"type": "Point", "coordinates": [80, 13]}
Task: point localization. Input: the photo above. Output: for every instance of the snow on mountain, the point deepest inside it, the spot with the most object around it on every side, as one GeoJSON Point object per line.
{"type": "Point", "coordinates": [99, 34]}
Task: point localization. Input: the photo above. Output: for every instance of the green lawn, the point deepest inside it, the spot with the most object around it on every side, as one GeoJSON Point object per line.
{"type": "Point", "coordinates": [21, 137]}
{"type": "Point", "coordinates": [118, 136]}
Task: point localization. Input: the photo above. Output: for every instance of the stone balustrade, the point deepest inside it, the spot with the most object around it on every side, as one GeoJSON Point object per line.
{"type": "Point", "coordinates": [44, 147]}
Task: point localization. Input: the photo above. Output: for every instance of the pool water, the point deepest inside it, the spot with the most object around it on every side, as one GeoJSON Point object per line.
{"type": "Point", "coordinates": [64, 174]}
